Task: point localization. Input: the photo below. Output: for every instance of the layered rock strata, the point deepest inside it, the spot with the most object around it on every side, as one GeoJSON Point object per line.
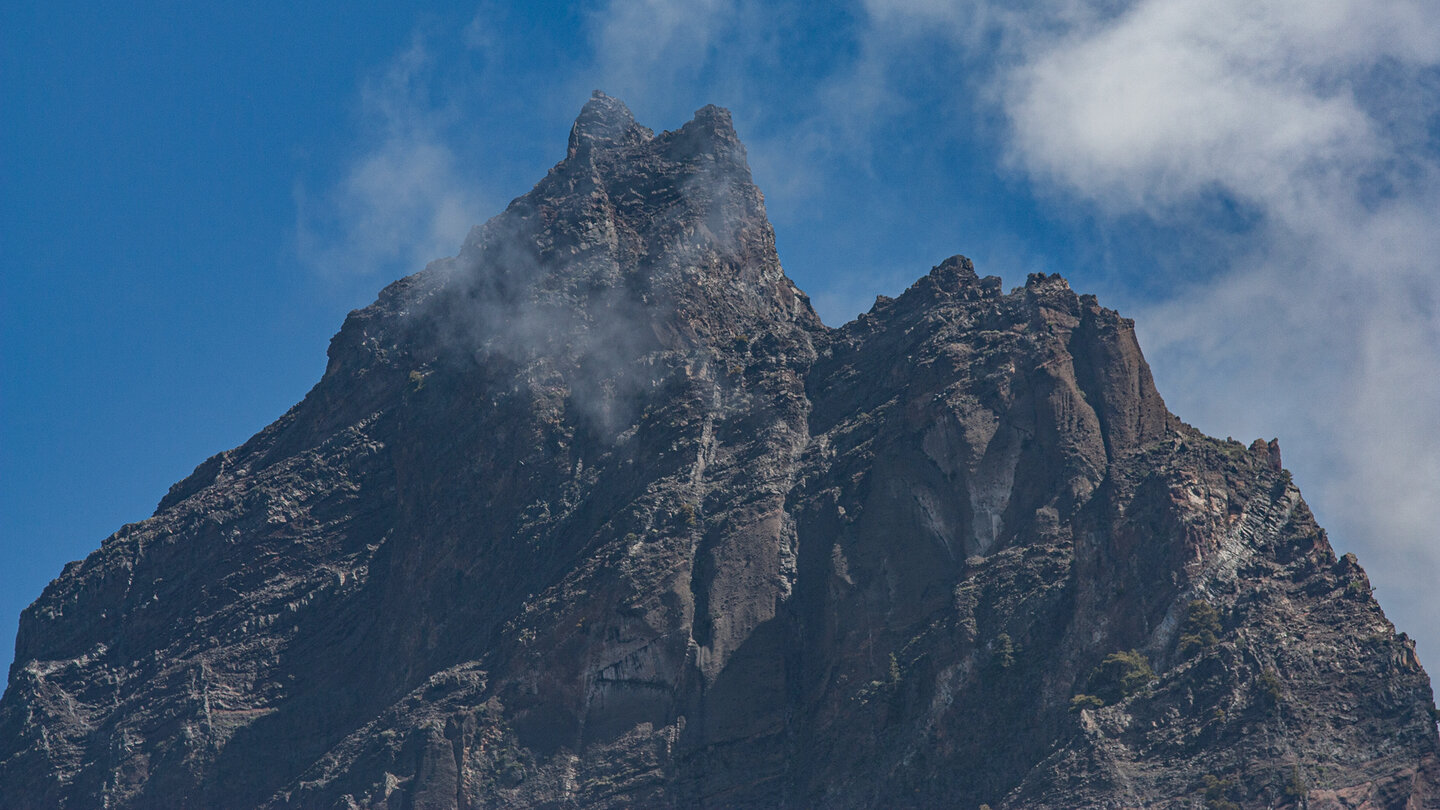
{"type": "Point", "coordinates": [597, 513]}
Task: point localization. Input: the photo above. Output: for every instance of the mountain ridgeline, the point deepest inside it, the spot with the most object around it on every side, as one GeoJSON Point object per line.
{"type": "Point", "coordinates": [598, 513]}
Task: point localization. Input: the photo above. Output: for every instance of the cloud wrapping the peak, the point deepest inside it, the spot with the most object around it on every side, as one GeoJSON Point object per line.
{"type": "Point", "coordinates": [653, 53]}
{"type": "Point", "coordinates": [403, 200]}
{"type": "Point", "coordinates": [1276, 162]}
{"type": "Point", "coordinates": [635, 39]}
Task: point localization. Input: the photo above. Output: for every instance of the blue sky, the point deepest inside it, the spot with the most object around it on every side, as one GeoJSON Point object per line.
{"type": "Point", "coordinates": [194, 197]}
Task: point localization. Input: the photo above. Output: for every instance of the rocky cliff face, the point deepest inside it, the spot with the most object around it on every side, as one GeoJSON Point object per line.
{"type": "Point", "coordinates": [599, 514]}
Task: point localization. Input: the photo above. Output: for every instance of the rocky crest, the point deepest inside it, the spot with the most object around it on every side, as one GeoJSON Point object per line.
{"type": "Point", "coordinates": [599, 514]}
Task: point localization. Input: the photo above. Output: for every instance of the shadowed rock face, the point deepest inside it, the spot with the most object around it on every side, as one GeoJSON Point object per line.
{"type": "Point", "coordinates": [599, 514]}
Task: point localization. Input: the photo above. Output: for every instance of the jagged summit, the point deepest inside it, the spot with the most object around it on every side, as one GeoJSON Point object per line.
{"type": "Point", "coordinates": [597, 513]}
{"type": "Point", "coordinates": [604, 122]}
{"type": "Point", "coordinates": [605, 125]}
{"type": "Point", "coordinates": [632, 228]}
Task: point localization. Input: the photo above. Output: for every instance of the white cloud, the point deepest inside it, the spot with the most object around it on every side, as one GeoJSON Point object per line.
{"type": "Point", "coordinates": [1319, 319]}
{"type": "Point", "coordinates": [1322, 325]}
{"type": "Point", "coordinates": [646, 50]}
{"type": "Point", "coordinates": [1176, 96]}
{"type": "Point", "coordinates": [402, 201]}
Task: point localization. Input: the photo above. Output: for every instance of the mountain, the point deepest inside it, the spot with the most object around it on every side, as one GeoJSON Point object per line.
{"type": "Point", "coordinates": [597, 513]}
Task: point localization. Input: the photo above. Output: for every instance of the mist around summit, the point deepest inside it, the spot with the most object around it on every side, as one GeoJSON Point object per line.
{"type": "Point", "coordinates": [729, 556]}
{"type": "Point", "coordinates": [1255, 183]}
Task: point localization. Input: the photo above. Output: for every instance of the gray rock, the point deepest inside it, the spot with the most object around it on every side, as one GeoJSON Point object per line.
{"type": "Point", "coordinates": [599, 514]}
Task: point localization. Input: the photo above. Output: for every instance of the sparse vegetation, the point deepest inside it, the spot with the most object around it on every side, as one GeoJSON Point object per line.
{"type": "Point", "coordinates": [1219, 793]}
{"type": "Point", "coordinates": [1201, 630]}
{"type": "Point", "coordinates": [1121, 675]}
{"type": "Point", "coordinates": [509, 770]}
{"type": "Point", "coordinates": [1282, 483]}
{"type": "Point", "coordinates": [1295, 789]}
{"type": "Point", "coordinates": [1272, 693]}
{"type": "Point", "coordinates": [1004, 651]}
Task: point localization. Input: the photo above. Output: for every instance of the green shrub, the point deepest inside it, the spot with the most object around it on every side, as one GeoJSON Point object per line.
{"type": "Point", "coordinates": [1272, 693]}
{"type": "Point", "coordinates": [1295, 789]}
{"type": "Point", "coordinates": [1282, 483]}
{"type": "Point", "coordinates": [1201, 629]}
{"type": "Point", "coordinates": [1084, 701]}
{"type": "Point", "coordinates": [1218, 793]}
{"type": "Point", "coordinates": [1121, 675]}
{"type": "Point", "coordinates": [1004, 651]}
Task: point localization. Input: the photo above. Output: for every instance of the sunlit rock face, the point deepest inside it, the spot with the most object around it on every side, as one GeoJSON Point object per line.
{"type": "Point", "coordinates": [597, 513]}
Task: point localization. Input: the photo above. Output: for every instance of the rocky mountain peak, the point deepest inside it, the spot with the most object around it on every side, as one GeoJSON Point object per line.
{"type": "Point", "coordinates": [669, 230]}
{"type": "Point", "coordinates": [604, 122]}
{"type": "Point", "coordinates": [597, 514]}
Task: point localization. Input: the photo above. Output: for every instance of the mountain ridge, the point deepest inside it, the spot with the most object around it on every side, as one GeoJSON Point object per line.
{"type": "Point", "coordinates": [598, 513]}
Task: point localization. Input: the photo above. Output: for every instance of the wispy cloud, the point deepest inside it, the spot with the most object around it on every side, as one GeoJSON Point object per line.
{"type": "Point", "coordinates": [1313, 314]}
{"type": "Point", "coordinates": [647, 50]}
{"type": "Point", "coordinates": [403, 200]}
{"type": "Point", "coordinates": [1175, 97]}
{"type": "Point", "coordinates": [1321, 323]}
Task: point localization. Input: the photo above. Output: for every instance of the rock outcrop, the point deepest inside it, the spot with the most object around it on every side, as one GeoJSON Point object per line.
{"type": "Point", "coordinates": [597, 513]}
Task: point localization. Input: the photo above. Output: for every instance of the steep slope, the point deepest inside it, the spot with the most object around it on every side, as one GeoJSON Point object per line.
{"type": "Point", "coordinates": [598, 513]}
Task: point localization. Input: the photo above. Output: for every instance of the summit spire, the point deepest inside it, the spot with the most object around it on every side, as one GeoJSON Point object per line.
{"type": "Point", "coordinates": [605, 121]}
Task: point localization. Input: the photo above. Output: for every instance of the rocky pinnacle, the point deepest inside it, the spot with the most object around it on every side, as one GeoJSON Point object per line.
{"type": "Point", "coordinates": [598, 513]}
